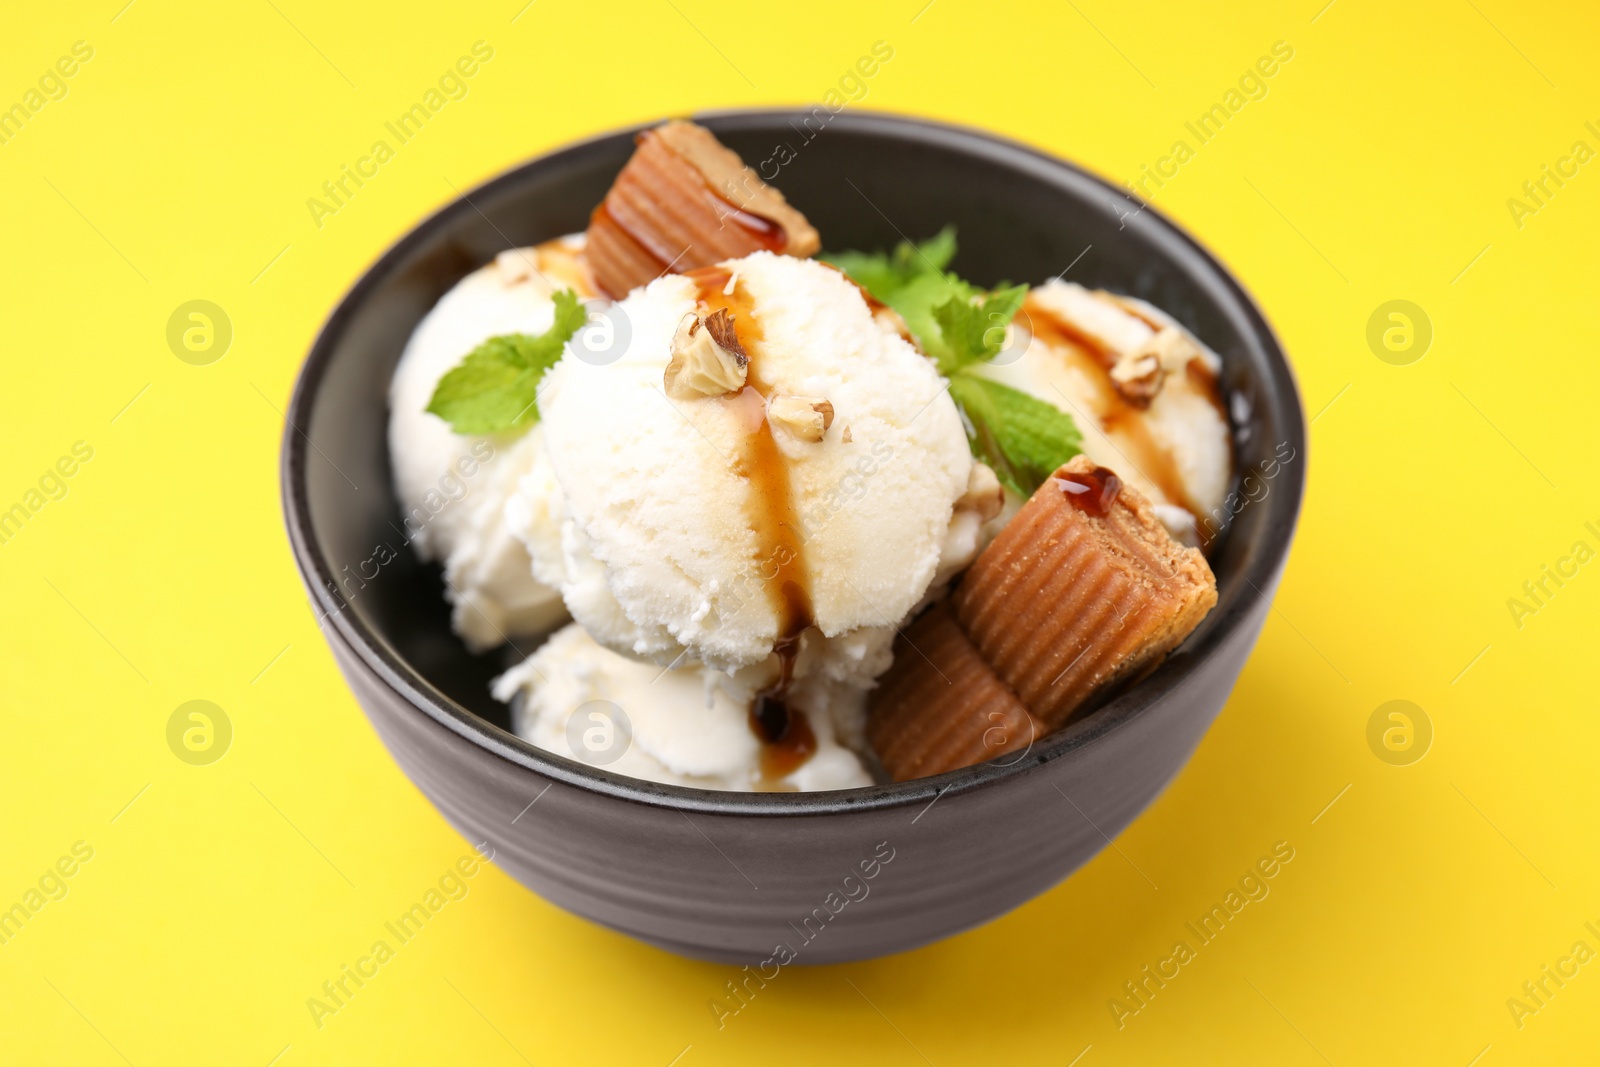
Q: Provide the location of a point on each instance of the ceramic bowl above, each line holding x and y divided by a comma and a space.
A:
775, 878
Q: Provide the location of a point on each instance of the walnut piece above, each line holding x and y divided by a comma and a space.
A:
984, 493
1173, 348
806, 417
1138, 375
707, 359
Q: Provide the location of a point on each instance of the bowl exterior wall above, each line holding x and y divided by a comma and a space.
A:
734, 887
731, 877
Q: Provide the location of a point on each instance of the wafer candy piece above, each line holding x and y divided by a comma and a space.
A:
1082, 590
940, 706
686, 201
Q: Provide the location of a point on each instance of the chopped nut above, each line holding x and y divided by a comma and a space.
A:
707, 359
1173, 347
984, 493
1138, 375
806, 417
845, 437
720, 325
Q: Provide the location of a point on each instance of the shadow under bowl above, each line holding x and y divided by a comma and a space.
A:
831, 876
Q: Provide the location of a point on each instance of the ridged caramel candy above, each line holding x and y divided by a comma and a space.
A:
685, 201
1084, 589
940, 707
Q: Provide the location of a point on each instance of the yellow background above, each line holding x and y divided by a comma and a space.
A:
1377, 167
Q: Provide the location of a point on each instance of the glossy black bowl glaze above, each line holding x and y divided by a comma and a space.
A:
729, 876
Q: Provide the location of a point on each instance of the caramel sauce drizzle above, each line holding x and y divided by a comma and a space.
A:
559, 262
1199, 373
786, 736
769, 234
1116, 415
1092, 492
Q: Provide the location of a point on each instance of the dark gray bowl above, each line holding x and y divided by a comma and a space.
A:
729, 876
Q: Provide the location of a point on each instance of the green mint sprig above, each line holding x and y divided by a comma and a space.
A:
961, 327
495, 388
1022, 437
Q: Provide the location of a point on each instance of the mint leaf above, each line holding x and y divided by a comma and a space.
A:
974, 332
1022, 437
495, 388
943, 312
881, 274
912, 281
916, 302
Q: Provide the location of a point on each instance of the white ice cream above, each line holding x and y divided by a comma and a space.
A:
659, 556
453, 489
1178, 451
639, 514
688, 726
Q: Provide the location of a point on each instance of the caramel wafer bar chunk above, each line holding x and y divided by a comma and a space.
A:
686, 201
1082, 590
940, 706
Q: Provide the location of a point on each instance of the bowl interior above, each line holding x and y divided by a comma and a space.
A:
866, 181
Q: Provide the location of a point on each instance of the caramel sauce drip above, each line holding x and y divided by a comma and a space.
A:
1065, 330
1093, 491
565, 266
786, 736
1201, 376
1204, 380
767, 233
1117, 417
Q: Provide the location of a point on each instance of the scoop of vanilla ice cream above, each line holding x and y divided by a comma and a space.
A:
659, 555
454, 489
688, 726
1177, 451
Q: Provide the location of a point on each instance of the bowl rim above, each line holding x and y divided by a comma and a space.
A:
1259, 570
